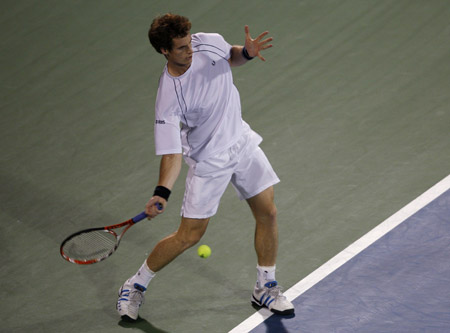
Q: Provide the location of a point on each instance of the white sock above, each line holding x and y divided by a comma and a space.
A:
264, 275
143, 275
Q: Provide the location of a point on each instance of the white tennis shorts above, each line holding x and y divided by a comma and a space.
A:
244, 165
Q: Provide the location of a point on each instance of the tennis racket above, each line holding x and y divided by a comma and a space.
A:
96, 244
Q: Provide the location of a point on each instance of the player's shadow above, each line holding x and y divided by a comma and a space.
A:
142, 325
275, 322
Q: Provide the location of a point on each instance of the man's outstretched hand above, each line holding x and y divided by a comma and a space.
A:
255, 46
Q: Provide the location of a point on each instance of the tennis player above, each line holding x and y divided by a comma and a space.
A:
198, 118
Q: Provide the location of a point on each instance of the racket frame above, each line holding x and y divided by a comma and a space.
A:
129, 223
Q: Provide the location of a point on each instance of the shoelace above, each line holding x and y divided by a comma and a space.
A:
275, 292
133, 296
137, 296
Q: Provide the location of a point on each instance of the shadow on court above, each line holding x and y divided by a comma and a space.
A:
142, 325
277, 321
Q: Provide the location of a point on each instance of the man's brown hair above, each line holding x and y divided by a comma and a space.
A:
166, 27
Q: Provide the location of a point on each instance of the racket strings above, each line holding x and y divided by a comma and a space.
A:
90, 245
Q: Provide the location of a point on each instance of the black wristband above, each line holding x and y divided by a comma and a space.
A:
162, 192
245, 54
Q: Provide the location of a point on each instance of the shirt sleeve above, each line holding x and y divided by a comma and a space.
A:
167, 126
214, 42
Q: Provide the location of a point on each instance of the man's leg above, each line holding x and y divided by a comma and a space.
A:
131, 294
267, 292
266, 232
188, 234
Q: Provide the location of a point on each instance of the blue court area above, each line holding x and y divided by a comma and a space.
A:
401, 283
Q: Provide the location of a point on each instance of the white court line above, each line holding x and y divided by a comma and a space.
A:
351, 251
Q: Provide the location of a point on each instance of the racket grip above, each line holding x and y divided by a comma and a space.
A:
142, 215
139, 217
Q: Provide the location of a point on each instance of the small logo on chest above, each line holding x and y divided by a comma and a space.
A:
213, 63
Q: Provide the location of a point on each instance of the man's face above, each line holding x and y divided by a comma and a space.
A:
181, 53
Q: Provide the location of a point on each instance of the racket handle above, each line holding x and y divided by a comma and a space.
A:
139, 217
142, 215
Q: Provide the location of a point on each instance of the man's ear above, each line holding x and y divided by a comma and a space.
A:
164, 51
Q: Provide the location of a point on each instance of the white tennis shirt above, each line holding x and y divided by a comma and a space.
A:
203, 100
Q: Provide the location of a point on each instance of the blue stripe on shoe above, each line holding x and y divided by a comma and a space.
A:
267, 299
261, 299
124, 291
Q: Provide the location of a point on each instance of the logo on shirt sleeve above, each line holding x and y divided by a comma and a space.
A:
160, 122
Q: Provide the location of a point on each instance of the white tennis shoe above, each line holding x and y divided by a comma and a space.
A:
271, 297
131, 297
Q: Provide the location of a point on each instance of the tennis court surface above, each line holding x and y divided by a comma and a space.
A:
353, 106
394, 279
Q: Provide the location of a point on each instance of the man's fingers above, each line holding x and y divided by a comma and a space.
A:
266, 46
247, 31
261, 36
257, 44
268, 40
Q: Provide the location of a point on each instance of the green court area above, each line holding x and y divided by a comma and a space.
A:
353, 104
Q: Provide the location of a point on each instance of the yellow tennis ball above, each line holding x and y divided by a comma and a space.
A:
204, 251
